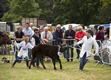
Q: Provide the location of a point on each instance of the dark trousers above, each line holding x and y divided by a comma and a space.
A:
83, 61
77, 50
29, 53
71, 53
18, 59
37, 61
15, 50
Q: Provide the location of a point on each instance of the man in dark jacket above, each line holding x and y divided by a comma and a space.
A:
35, 41
58, 36
70, 34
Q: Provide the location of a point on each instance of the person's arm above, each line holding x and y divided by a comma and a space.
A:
81, 41
97, 47
30, 46
33, 41
76, 36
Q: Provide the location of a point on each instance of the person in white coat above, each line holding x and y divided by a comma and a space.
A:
25, 45
87, 41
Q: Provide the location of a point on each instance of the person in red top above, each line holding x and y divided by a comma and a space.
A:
79, 35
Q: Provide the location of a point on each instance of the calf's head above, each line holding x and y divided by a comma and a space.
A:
6, 39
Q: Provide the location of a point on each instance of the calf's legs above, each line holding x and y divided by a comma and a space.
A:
32, 60
41, 60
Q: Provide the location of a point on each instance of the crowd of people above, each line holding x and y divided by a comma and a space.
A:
43, 35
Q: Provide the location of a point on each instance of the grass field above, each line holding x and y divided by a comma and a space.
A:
70, 71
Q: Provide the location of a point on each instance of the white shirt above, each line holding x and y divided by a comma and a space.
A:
24, 49
87, 46
49, 35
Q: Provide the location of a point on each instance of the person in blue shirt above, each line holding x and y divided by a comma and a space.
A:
70, 34
28, 33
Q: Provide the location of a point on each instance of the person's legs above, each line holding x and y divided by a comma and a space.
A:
15, 62
67, 54
37, 61
21, 56
29, 53
78, 51
81, 64
26, 61
15, 50
72, 54
82, 60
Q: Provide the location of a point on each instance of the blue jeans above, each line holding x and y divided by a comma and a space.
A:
37, 61
77, 50
71, 53
29, 53
15, 50
83, 61
18, 59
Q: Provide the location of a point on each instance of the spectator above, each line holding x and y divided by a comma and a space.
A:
30, 27
83, 28
35, 41
18, 36
58, 36
79, 35
91, 32
28, 32
100, 35
70, 34
45, 37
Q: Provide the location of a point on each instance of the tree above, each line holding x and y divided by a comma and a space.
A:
45, 13
3, 7
19, 9
76, 11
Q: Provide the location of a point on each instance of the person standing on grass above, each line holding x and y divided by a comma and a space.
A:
70, 34
87, 41
18, 36
24, 50
35, 41
79, 35
28, 33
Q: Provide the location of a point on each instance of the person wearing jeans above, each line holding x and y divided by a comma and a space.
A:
23, 51
28, 33
70, 34
87, 41
83, 61
35, 41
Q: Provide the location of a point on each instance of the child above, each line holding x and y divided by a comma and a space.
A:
24, 50
87, 41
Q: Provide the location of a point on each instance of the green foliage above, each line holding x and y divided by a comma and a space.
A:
76, 11
104, 14
27, 8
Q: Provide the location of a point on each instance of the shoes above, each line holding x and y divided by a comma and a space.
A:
12, 66
27, 66
38, 66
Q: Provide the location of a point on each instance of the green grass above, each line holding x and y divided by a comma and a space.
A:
70, 71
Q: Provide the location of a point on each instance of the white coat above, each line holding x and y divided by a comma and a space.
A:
87, 46
24, 48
